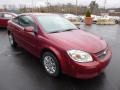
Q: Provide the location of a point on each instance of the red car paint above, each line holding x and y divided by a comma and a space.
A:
59, 43
4, 20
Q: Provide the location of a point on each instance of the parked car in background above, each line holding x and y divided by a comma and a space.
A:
4, 17
60, 45
116, 18
119, 21
81, 17
106, 20
95, 18
73, 18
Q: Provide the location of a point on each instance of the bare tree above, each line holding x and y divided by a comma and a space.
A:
94, 7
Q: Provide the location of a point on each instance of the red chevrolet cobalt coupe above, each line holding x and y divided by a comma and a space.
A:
60, 45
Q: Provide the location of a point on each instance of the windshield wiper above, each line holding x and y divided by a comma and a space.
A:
63, 30
69, 30
55, 32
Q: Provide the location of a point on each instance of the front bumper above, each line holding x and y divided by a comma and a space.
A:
89, 70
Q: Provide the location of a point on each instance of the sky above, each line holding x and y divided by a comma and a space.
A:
109, 3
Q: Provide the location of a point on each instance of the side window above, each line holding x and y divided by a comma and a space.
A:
1, 15
27, 21
16, 20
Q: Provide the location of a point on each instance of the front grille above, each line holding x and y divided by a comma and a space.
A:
101, 55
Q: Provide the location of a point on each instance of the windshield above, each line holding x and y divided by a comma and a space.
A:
55, 23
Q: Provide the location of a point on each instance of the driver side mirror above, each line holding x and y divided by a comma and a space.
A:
29, 29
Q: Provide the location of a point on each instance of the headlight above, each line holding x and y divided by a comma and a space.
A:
79, 56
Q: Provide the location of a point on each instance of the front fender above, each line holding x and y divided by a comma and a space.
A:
60, 55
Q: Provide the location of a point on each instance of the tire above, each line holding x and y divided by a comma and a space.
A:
116, 21
51, 64
12, 40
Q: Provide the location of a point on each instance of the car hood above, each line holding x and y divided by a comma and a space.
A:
78, 39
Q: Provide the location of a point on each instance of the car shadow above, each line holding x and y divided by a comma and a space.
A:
3, 28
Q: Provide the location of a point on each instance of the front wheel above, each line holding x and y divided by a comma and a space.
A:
51, 64
11, 40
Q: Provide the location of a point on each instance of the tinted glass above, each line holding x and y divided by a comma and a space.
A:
16, 20
1, 15
27, 21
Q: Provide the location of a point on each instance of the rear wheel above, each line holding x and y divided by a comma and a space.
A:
11, 40
51, 64
116, 21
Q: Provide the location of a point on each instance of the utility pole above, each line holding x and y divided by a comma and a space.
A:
76, 7
32, 5
104, 4
94, 7
47, 6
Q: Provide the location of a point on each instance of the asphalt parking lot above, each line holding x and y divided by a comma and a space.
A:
19, 70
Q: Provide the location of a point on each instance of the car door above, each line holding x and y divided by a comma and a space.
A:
29, 39
17, 31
